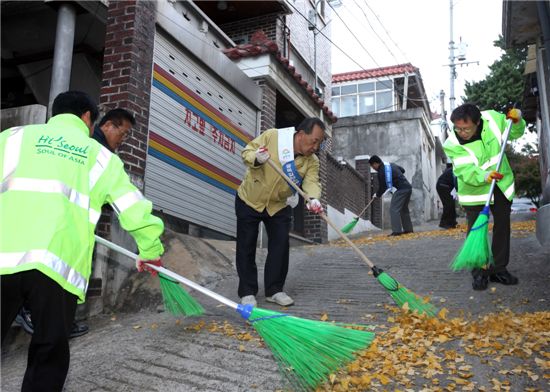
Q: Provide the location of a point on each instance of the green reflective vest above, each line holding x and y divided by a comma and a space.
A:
55, 179
474, 160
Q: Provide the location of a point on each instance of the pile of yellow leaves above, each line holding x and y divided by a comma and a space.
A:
436, 354
416, 353
519, 229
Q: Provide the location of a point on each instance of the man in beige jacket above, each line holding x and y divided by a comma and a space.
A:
264, 196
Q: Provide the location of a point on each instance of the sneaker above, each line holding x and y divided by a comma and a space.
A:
23, 318
480, 282
78, 330
280, 298
248, 300
504, 278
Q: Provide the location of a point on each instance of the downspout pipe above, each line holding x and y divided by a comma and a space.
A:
543, 8
63, 52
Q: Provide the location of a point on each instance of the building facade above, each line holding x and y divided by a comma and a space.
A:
384, 112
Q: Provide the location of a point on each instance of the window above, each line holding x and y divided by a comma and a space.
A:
366, 104
348, 106
384, 101
364, 97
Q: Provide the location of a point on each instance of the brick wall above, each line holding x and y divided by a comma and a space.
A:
346, 187
269, 105
363, 168
126, 79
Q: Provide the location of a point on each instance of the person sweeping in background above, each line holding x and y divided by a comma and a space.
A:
392, 176
55, 178
474, 148
264, 196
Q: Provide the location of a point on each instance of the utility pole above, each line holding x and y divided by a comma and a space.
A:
444, 125
461, 57
452, 65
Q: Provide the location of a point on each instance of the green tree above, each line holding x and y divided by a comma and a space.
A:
525, 165
504, 84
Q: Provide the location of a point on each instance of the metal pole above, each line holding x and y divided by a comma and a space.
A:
63, 52
443, 116
452, 59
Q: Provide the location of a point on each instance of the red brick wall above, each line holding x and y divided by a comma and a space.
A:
126, 79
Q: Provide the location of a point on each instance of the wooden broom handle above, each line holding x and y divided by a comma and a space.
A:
367, 206
322, 214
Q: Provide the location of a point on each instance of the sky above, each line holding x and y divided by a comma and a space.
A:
417, 32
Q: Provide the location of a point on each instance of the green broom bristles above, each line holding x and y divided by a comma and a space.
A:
476, 252
177, 300
349, 227
306, 351
401, 295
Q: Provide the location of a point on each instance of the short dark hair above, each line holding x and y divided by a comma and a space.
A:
466, 112
308, 123
117, 116
75, 102
375, 159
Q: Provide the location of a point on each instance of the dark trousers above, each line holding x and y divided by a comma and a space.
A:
399, 211
501, 231
448, 218
53, 310
276, 263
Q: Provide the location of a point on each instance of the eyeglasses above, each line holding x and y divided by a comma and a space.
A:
124, 132
464, 129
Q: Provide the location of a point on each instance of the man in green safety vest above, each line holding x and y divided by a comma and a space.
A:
474, 148
55, 178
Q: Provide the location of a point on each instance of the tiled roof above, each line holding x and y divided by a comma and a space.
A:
260, 44
374, 73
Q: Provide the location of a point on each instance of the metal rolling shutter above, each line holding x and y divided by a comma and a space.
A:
197, 130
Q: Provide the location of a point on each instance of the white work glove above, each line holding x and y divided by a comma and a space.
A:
314, 206
262, 155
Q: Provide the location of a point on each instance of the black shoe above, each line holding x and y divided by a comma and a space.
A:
480, 282
394, 234
23, 318
78, 330
408, 232
505, 278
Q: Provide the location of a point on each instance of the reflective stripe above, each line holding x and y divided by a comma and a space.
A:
491, 162
12, 152
463, 161
493, 126
100, 166
510, 191
50, 260
472, 155
46, 186
473, 198
128, 200
94, 215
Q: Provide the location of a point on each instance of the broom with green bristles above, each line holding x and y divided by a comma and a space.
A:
349, 227
476, 251
403, 297
306, 351
176, 300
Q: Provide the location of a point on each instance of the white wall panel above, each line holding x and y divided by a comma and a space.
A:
189, 174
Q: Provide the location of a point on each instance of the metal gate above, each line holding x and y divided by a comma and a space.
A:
197, 130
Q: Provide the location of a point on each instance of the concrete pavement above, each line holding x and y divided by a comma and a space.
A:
152, 351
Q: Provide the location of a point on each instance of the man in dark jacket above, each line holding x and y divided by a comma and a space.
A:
391, 176
445, 185
114, 128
